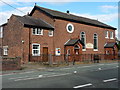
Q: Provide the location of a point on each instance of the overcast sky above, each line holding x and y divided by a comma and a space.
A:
107, 12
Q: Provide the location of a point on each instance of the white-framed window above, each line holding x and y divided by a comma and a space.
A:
5, 50
37, 31
1, 32
106, 34
95, 36
70, 28
111, 35
35, 49
68, 52
58, 52
83, 39
50, 33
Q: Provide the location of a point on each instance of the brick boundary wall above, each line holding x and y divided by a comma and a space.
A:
11, 63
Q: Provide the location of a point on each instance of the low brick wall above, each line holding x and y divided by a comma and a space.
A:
11, 63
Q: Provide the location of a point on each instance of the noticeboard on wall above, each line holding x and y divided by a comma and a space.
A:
58, 51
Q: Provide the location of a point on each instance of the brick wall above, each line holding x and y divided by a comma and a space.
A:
61, 35
12, 37
11, 63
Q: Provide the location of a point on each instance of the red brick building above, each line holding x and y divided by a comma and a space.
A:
45, 31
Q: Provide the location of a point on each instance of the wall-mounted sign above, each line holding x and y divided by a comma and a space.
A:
57, 52
89, 45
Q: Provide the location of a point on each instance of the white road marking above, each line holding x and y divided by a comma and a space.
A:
41, 77
59, 75
26, 79
18, 77
85, 85
110, 80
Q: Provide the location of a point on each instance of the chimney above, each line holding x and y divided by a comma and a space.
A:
68, 11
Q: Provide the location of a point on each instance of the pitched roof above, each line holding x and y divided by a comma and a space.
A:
71, 17
29, 21
109, 45
72, 42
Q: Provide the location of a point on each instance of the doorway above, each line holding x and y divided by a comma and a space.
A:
45, 54
76, 49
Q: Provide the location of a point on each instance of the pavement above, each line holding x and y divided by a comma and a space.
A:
98, 75
35, 66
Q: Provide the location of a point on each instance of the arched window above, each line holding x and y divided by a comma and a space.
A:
83, 39
95, 41
76, 47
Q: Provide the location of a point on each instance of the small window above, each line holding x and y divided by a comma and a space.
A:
106, 34
36, 49
83, 39
95, 42
37, 31
1, 32
5, 50
111, 35
50, 33
70, 28
68, 52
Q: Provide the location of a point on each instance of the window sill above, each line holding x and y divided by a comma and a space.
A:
83, 49
35, 55
50, 35
38, 34
107, 37
111, 38
95, 50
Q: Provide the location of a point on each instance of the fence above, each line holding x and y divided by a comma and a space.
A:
11, 63
61, 59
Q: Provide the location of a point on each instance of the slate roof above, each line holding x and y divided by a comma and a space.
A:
71, 17
72, 42
110, 45
29, 21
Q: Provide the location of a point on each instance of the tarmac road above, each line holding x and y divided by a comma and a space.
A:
99, 75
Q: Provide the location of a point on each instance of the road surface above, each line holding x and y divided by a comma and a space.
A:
99, 75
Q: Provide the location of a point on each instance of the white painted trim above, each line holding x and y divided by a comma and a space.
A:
1, 32
85, 40
5, 49
49, 33
111, 33
107, 34
97, 42
72, 28
36, 49
36, 31
83, 49
67, 41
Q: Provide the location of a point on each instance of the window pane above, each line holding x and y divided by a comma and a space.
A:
35, 46
83, 39
39, 31
95, 41
33, 31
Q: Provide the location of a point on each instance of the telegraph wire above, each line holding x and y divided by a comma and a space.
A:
12, 6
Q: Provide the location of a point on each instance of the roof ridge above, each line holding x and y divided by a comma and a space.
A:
39, 19
66, 13
72, 17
